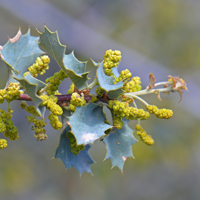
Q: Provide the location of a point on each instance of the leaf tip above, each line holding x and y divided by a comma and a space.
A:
67, 123
16, 37
124, 158
1, 48
38, 31
45, 28
2, 57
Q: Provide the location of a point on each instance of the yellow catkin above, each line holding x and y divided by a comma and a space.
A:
39, 67
160, 113
111, 59
147, 139
3, 143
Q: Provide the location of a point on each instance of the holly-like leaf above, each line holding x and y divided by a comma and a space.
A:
32, 86
107, 83
20, 52
87, 123
65, 117
74, 68
115, 71
66, 114
119, 145
81, 162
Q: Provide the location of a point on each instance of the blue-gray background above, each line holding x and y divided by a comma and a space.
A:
159, 36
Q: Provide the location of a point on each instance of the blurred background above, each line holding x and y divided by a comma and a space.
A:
159, 36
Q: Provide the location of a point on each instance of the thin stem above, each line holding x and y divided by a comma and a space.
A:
134, 103
93, 84
149, 91
162, 83
136, 97
8, 106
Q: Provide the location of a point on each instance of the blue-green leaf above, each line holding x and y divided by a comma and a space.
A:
66, 114
32, 86
65, 117
107, 83
74, 68
87, 123
20, 52
115, 71
119, 145
81, 162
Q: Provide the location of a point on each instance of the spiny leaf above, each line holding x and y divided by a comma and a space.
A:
87, 123
81, 162
20, 52
74, 68
76, 71
107, 83
65, 117
32, 86
115, 71
66, 114
119, 145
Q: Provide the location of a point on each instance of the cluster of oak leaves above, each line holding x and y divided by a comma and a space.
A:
122, 108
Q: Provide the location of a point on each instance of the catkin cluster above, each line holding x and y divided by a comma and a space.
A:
160, 113
2, 94
39, 67
125, 75
94, 98
51, 103
123, 110
75, 149
3, 143
71, 89
54, 121
30, 109
54, 81
111, 59
7, 125
10, 93
76, 100
56, 110
147, 139
133, 85
99, 91
38, 124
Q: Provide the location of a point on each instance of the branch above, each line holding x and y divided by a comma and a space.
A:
65, 98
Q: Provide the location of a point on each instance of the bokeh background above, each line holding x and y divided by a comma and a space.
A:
159, 36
